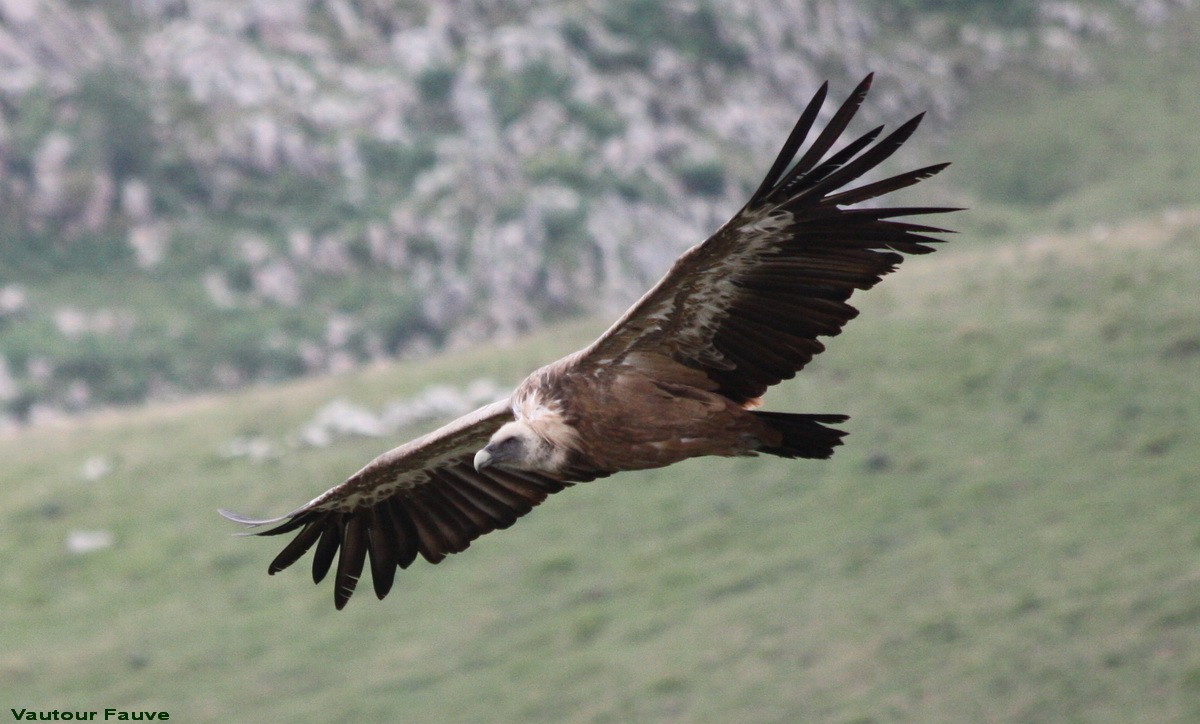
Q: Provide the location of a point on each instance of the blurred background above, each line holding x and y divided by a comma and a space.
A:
246, 246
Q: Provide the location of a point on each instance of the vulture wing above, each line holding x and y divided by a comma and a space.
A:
423, 497
746, 306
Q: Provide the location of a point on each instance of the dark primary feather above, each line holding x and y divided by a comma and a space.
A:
849, 151
795, 139
298, 547
350, 562
824, 142
327, 547
886, 186
817, 185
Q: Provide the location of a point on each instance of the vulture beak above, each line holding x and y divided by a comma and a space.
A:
483, 458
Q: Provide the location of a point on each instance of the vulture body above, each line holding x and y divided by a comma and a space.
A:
679, 375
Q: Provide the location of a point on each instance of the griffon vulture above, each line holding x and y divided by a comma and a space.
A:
678, 376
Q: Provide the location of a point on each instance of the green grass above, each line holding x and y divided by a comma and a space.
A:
1036, 152
1009, 535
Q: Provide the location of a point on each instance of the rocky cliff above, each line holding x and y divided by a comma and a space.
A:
205, 192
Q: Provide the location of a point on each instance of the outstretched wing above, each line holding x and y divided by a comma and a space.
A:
424, 497
746, 306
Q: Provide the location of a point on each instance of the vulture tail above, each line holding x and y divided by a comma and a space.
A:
803, 435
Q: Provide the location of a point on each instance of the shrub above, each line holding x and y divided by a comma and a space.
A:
693, 32
512, 95
1011, 12
435, 84
706, 178
116, 118
394, 162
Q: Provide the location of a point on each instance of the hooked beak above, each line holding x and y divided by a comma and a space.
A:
483, 458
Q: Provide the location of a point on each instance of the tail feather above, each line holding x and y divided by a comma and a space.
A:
803, 435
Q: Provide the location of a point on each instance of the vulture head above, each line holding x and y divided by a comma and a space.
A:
517, 446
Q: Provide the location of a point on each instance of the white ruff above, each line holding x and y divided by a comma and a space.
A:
544, 416
533, 408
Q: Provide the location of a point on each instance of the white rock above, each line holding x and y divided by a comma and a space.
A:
14, 300
149, 244
255, 448
218, 289
87, 541
340, 329
96, 467
342, 418
277, 281
71, 323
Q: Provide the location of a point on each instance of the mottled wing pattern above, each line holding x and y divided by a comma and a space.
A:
423, 498
747, 305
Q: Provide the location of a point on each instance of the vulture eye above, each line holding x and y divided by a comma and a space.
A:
508, 446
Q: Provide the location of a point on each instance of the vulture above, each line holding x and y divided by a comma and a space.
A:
680, 375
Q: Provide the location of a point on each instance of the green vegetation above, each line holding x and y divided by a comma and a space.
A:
693, 30
435, 84
512, 95
706, 178
1012, 12
1057, 154
394, 163
116, 113
1009, 534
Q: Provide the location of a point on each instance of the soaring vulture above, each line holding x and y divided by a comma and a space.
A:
678, 376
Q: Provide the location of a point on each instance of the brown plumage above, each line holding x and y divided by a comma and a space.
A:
677, 376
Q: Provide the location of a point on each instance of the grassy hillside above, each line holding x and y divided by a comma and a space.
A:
1036, 152
1009, 535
